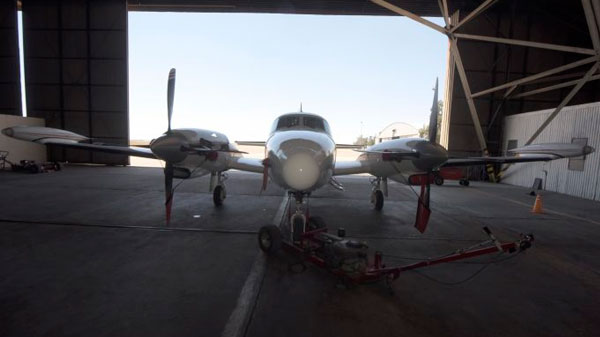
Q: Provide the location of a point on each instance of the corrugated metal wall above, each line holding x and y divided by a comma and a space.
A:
578, 121
76, 72
10, 81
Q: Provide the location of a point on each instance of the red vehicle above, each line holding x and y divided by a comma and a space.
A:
450, 173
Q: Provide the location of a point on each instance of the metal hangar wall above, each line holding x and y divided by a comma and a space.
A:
76, 71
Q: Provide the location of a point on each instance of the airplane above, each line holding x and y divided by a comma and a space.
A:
300, 157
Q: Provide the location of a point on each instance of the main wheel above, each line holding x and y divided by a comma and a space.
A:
219, 195
269, 239
438, 180
377, 200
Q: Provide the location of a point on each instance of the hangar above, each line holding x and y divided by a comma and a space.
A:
519, 71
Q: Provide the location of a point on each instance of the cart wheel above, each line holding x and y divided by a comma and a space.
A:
34, 168
298, 222
316, 222
219, 195
269, 239
377, 199
438, 180
464, 182
57, 166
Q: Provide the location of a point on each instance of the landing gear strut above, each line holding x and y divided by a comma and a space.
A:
217, 186
378, 192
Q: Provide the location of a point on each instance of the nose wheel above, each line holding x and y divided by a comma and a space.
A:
378, 192
219, 191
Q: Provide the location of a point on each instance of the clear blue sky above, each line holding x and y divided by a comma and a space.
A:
237, 72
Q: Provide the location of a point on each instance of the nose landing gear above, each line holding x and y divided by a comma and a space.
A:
217, 186
380, 189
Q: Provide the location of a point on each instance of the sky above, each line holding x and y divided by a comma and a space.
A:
237, 72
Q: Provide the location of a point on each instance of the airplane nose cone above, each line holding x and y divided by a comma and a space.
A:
168, 148
588, 149
8, 132
431, 156
301, 171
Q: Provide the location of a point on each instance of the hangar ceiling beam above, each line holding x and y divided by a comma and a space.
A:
553, 87
485, 5
593, 28
564, 102
538, 75
444, 9
410, 15
541, 45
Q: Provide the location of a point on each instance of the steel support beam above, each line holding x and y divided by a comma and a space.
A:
564, 102
469, 97
409, 15
538, 75
593, 28
553, 87
540, 45
485, 5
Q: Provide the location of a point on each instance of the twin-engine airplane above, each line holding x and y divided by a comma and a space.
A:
300, 158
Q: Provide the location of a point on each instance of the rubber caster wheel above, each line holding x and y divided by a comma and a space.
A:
438, 180
463, 182
219, 195
316, 222
269, 239
377, 200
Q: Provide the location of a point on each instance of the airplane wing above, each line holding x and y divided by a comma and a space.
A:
247, 164
50, 136
350, 167
529, 153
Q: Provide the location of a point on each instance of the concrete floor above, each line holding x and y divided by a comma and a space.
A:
84, 252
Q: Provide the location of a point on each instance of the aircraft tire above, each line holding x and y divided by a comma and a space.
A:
269, 239
218, 195
378, 200
298, 222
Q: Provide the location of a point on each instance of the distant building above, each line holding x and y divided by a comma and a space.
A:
395, 131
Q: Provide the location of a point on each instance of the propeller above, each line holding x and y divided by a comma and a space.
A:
265, 180
423, 210
170, 97
168, 147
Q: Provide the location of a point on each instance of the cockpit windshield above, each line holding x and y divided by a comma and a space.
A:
299, 122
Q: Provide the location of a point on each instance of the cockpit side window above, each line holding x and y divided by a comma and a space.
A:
288, 122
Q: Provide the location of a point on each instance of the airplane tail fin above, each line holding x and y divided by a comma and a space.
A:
433, 118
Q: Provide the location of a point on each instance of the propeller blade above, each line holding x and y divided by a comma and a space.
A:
170, 96
168, 190
433, 118
423, 210
265, 173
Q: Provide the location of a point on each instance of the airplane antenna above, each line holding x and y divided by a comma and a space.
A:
301, 107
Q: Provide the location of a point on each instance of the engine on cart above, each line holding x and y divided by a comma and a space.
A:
340, 253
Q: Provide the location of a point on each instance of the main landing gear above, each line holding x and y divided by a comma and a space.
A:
217, 186
380, 189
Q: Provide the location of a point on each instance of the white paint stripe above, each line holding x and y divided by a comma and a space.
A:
240, 316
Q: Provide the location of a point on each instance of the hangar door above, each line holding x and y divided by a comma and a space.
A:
76, 71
